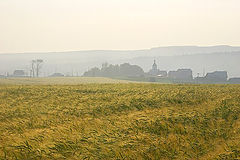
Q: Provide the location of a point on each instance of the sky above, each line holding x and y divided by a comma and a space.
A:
67, 25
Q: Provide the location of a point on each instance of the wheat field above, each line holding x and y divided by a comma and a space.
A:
119, 121
59, 81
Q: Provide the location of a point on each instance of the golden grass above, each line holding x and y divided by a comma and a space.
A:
59, 81
119, 121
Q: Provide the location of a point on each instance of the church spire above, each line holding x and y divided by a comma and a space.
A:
154, 66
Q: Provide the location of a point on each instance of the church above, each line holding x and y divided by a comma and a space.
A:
156, 72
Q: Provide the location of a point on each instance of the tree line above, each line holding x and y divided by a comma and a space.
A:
110, 70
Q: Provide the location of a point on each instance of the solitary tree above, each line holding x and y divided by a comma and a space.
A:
36, 65
33, 68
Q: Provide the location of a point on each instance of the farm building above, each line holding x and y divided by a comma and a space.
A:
181, 74
217, 76
18, 73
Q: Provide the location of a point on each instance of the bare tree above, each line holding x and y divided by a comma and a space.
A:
36, 65
33, 68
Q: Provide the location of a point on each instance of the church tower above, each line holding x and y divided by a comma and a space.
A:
156, 72
154, 66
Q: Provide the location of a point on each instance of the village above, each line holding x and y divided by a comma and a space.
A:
135, 73
186, 76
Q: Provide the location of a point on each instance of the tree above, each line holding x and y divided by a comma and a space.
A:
36, 65
94, 72
130, 70
33, 68
123, 70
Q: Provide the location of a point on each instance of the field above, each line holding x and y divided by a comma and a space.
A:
58, 81
119, 121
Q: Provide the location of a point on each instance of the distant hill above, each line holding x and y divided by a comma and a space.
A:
168, 58
186, 50
158, 51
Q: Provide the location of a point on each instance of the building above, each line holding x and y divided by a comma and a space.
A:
156, 72
217, 76
57, 75
162, 74
181, 74
172, 74
18, 73
234, 81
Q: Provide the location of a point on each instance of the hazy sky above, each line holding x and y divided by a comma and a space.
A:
63, 25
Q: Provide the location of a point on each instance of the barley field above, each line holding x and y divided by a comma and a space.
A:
119, 121
58, 81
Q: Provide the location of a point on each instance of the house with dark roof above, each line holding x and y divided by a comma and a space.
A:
18, 73
217, 76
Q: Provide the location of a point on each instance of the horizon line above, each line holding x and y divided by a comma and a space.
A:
120, 50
